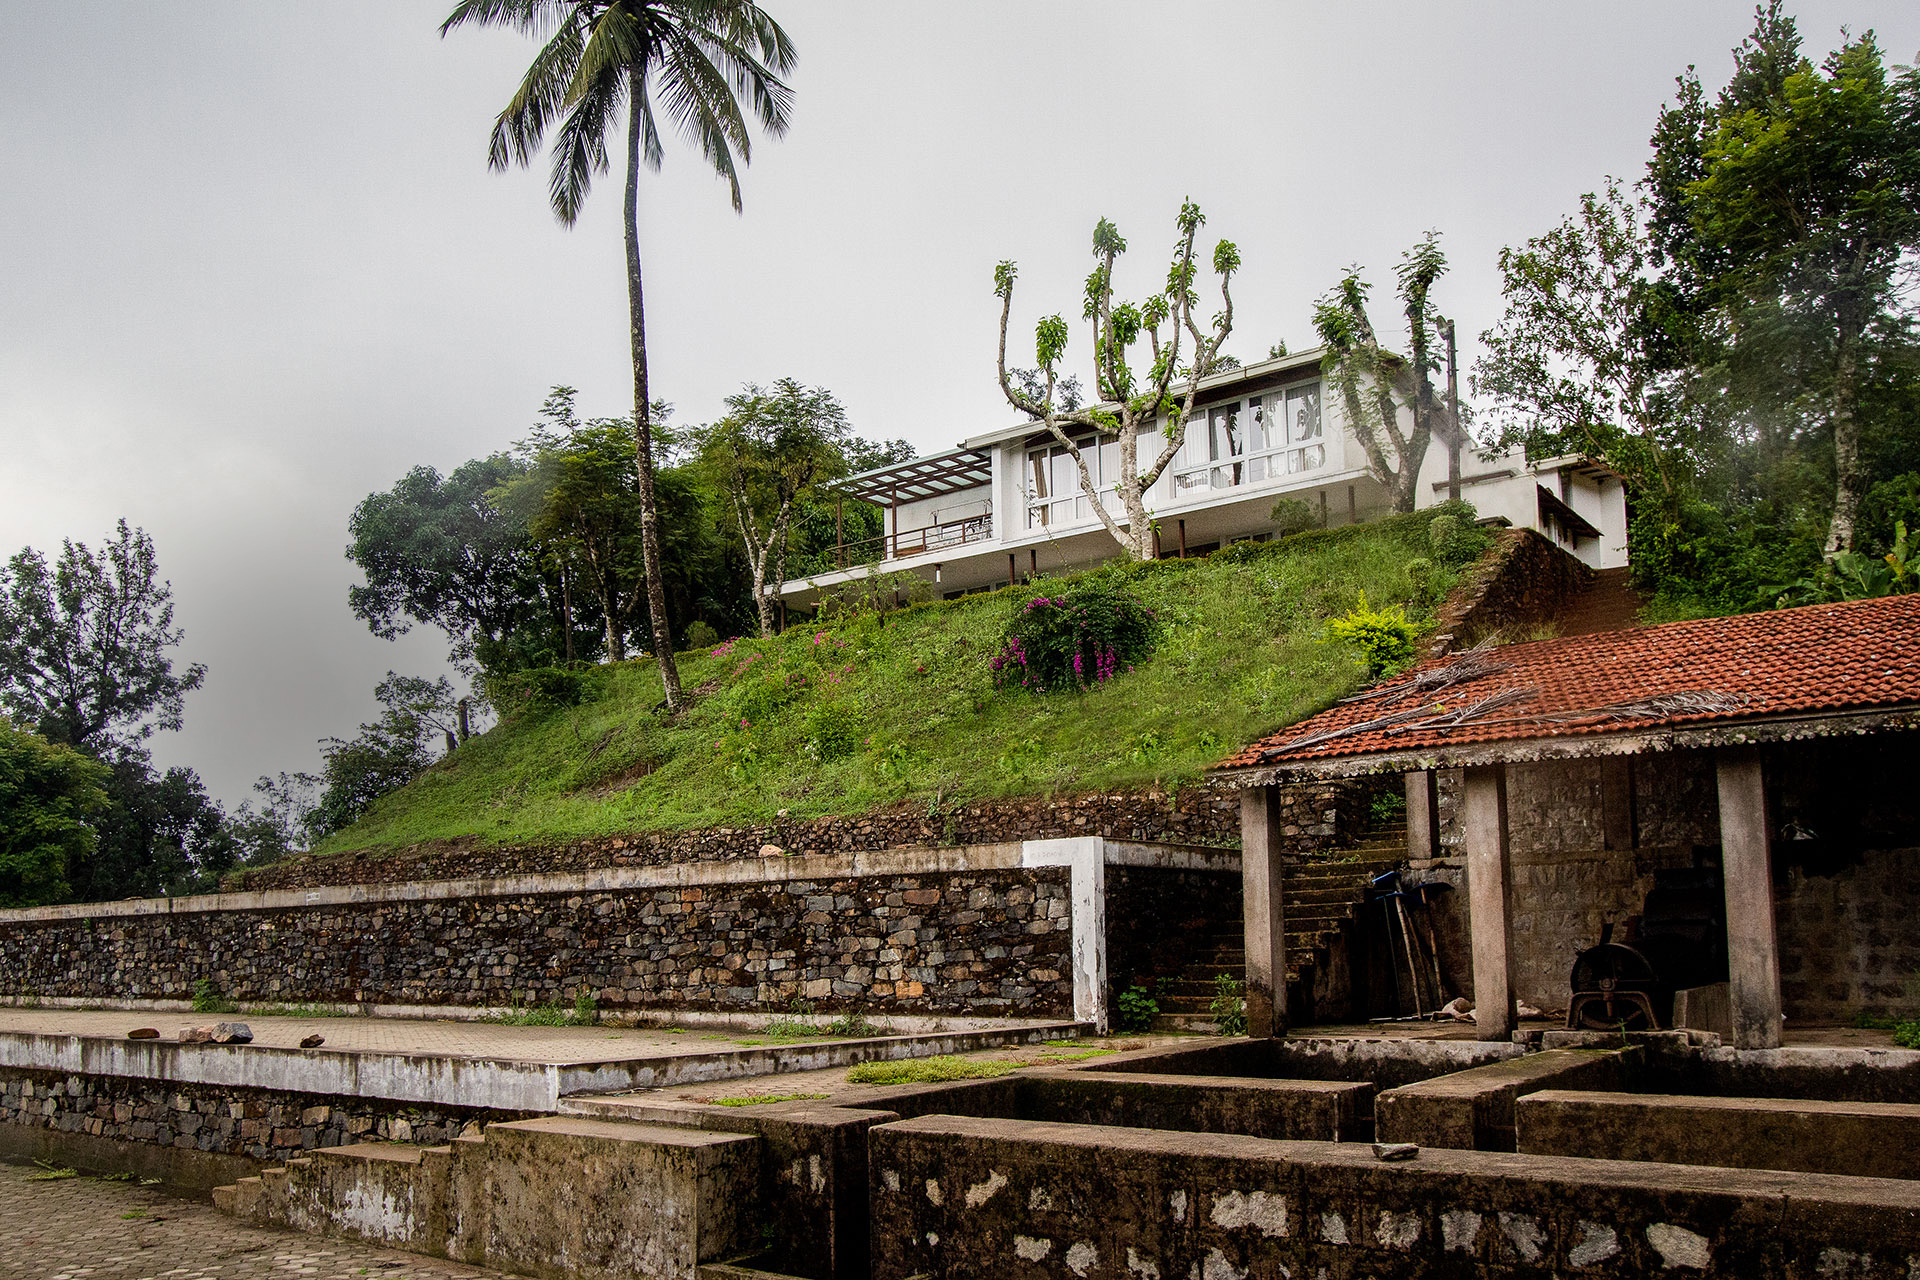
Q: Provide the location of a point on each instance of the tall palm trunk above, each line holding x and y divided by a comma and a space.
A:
642, 409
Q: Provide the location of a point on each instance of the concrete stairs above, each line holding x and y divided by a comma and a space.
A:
1323, 897
616, 1200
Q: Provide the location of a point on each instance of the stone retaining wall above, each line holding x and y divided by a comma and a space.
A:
1315, 817
1522, 581
992, 942
1194, 816
183, 1131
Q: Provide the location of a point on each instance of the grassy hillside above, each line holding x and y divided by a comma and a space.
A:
874, 710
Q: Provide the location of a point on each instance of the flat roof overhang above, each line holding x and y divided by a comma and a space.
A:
1623, 741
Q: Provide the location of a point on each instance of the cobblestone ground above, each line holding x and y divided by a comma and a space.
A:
81, 1229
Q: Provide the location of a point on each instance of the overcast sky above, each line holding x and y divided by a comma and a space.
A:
254, 266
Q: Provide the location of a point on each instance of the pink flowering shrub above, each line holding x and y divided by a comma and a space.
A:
1092, 631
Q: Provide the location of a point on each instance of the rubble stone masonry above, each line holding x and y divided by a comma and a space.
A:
978, 943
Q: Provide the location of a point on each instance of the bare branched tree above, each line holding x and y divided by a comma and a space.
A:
1374, 384
1130, 407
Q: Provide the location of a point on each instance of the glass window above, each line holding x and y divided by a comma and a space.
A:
1260, 426
1037, 485
1303, 413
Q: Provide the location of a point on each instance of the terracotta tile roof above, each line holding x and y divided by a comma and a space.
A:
1855, 655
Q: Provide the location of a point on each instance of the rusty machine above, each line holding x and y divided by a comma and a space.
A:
1679, 940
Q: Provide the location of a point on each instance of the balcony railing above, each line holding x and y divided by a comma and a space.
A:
904, 543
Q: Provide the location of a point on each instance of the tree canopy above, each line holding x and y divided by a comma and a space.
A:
767, 454
86, 644
50, 798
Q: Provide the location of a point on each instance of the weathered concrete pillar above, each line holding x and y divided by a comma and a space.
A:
1423, 815
1261, 872
1617, 818
1483, 822
1746, 863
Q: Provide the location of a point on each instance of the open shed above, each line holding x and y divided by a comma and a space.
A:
1759, 743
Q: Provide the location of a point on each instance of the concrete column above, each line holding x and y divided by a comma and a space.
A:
1617, 802
1085, 858
1746, 862
1483, 821
1423, 815
1261, 871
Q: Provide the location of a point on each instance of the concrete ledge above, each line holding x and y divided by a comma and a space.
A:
1384, 1062
1473, 1110
817, 866
1326, 1110
961, 1196
495, 1084
1867, 1139
1007, 856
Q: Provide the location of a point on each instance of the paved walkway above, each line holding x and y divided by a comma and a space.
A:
398, 1035
80, 1229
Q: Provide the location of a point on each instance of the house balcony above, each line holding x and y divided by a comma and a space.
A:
903, 544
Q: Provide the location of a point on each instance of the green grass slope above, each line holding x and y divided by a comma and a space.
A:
871, 711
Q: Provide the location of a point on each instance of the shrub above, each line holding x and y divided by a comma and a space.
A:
834, 729
1291, 516
1093, 631
1425, 580
759, 697
854, 1026
876, 593
1136, 1010
1384, 637
1454, 536
1907, 1035
207, 998
700, 636
536, 690
1229, 1007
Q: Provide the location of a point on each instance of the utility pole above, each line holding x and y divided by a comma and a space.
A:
1453, 416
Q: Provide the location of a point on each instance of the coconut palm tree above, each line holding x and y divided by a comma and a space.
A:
696, 61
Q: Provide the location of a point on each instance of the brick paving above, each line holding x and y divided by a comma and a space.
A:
83, 1229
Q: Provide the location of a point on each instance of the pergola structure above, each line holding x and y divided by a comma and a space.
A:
915, 480
1726, 686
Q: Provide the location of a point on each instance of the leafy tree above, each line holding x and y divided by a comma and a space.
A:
1131, 406
578, 498
385, 755
769, 451
279, 824
700, 57
162, 833
438, 550
1373, 384
84, 646
50, 797
1587, 358
1790, 205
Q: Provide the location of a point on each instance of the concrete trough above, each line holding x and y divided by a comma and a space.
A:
1474, 1109
1868, 1139
1383, 1061
956, 1196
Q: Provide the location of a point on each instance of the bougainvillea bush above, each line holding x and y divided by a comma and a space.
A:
1081, 636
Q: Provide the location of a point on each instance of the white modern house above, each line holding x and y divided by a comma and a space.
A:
1008, 504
